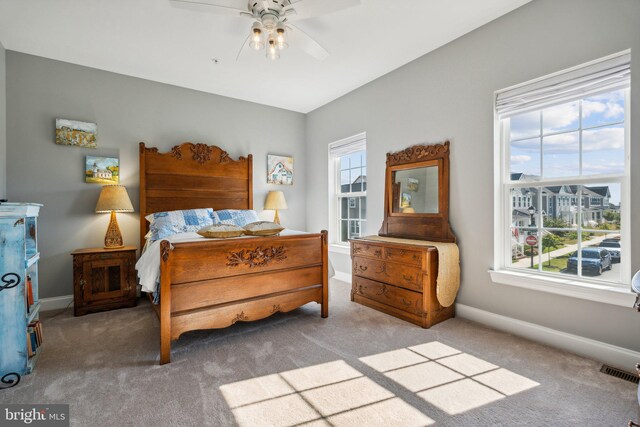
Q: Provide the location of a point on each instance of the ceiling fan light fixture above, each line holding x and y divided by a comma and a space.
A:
281, 37
256, 36
273, 53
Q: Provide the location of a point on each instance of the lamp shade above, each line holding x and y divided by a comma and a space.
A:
275, 200
114, 198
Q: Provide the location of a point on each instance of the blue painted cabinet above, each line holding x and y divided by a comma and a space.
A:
19, 307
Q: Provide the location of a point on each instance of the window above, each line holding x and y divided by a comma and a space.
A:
348, 188
565, 138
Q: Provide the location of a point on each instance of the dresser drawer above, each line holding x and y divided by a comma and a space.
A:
403, 256
367, 250
387, 294
388, 272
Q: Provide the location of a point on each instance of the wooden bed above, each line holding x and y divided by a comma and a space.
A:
216, 283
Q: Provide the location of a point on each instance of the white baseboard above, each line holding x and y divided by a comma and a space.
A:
610, 354
56, 303
343, 277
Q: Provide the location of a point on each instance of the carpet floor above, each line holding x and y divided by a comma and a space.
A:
359, 367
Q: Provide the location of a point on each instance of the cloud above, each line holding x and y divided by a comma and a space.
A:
520, 159
603, 139
609, 110
561, 117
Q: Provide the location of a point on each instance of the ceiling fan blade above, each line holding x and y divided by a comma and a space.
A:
311, 8
204, 6
308, 44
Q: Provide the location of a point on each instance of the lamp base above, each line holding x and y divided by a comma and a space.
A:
113, 237
276, 217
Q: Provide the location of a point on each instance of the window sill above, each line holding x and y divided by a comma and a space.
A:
608, 294
337, 248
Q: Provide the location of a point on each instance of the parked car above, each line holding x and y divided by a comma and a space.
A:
594, 261
613, 246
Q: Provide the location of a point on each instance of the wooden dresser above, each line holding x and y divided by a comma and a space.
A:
398, 279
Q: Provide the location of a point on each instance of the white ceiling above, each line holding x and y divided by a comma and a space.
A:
154, 40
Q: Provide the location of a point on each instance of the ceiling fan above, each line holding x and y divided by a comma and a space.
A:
272, 21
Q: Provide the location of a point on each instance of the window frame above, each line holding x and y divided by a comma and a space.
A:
352, 144
617, 293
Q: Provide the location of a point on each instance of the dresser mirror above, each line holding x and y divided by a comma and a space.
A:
415, 189
417, 194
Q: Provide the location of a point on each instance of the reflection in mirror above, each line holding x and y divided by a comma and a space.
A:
416, 190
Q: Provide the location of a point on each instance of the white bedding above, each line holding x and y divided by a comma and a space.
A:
148, 266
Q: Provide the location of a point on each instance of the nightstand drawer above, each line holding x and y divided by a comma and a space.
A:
389, 272
387, 294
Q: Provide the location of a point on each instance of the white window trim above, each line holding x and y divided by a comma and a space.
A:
580, 287
334, 218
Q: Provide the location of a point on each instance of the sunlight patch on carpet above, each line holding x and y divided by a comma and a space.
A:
447, 378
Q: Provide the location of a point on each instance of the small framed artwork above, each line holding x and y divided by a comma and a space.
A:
279, 169
413, 184
79, 134
405, 200
101, 170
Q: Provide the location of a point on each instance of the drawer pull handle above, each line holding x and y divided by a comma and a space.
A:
406, 303
378, 253
383, 291
383, 270
407, 278
362, 268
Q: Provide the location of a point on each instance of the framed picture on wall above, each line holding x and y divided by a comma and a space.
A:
413, 184
101, 170
279, 169
79, 134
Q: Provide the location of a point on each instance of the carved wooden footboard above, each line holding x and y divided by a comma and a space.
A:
214, 284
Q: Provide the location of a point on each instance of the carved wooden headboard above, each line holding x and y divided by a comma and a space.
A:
192, 176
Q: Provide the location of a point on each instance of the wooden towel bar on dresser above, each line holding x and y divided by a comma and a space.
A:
397, 271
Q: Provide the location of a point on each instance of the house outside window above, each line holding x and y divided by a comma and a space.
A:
348, 189
565, 138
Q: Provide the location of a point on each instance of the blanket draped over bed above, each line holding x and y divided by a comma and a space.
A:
214, 283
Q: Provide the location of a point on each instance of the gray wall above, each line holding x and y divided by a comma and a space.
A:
127, 111
449, 94
3, 124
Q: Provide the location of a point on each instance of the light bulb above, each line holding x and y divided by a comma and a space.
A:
281, 37
272, 50
256, 37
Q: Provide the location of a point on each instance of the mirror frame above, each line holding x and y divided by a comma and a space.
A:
422, 226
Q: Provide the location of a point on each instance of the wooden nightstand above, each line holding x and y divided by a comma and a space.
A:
104, 279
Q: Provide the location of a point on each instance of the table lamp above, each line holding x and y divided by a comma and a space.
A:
113, 198
275, 201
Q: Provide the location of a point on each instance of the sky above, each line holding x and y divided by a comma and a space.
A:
554, 134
